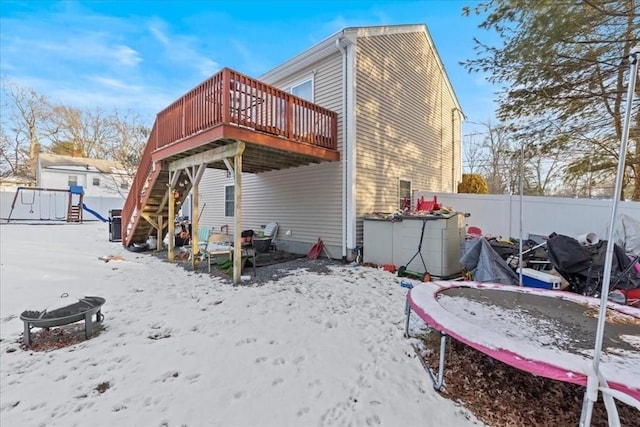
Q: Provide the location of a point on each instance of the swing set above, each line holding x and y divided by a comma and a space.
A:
50, 204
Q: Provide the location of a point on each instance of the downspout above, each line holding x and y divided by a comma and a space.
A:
345, 155
454, 188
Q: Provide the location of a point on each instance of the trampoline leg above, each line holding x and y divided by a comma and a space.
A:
407, 311
439, 381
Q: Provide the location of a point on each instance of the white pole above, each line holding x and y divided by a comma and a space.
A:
521, 210
589, 400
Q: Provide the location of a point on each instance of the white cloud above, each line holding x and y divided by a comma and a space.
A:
183, 50
158, 29
116, 84
127, 56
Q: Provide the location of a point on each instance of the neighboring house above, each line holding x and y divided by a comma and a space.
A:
99, 178
399, 131
11, 182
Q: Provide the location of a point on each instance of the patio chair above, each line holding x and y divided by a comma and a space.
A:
271, 231
217, 244
203, 239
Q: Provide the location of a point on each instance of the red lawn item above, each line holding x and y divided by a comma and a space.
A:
633, 296
316, 249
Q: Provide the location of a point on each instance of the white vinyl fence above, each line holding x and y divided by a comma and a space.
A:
45, 205
499, 215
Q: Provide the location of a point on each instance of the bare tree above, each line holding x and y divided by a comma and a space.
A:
30, 124
131, 135
472, 153
24, 116
82, 133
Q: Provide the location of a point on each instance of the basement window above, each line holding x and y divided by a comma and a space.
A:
229, 198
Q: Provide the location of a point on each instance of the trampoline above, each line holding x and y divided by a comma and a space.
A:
547, 333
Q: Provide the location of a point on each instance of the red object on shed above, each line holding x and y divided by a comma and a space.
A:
428, 205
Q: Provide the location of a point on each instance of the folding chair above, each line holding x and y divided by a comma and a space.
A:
217, 244
203, 239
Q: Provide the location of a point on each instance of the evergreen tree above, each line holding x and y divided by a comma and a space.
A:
563, 67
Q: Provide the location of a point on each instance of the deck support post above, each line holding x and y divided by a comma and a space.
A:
172, 217
237, 238
195, 174
159, 236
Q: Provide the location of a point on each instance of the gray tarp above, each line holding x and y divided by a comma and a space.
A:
487, 266
628, 234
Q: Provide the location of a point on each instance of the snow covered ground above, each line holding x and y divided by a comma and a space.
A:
187, 349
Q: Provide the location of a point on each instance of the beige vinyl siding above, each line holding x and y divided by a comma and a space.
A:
404, 113
301, 199
306, 200
327, 82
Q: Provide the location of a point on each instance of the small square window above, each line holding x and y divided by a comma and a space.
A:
72, 180
96, 181
124, 185
303, 90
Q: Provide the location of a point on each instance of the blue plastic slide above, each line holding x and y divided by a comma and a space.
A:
94, 213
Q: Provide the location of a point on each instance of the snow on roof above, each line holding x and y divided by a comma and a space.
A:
56, 161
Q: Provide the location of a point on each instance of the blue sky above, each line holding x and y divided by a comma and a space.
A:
142, 55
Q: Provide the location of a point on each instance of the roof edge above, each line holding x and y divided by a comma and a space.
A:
346, 36
327, 46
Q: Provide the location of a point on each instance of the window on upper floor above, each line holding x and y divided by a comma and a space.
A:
303, 89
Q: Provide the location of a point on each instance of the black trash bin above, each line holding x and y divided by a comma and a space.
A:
115, 225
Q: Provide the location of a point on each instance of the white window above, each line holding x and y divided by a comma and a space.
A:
404, 194
301, 124
96, 181
303, 89
72, 180
229, 200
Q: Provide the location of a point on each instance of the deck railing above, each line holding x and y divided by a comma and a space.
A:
231, 98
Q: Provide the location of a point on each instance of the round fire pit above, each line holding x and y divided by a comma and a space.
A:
85, 308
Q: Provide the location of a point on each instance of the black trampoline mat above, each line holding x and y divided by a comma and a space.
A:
569, 324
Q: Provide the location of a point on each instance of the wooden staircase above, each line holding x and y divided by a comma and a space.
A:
154, 205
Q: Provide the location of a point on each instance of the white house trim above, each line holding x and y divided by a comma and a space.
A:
350, 146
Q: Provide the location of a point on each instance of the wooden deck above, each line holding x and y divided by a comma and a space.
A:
278, 130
